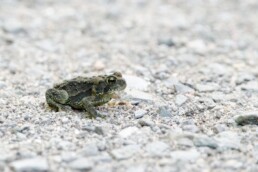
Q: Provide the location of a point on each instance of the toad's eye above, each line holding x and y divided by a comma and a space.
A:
111, 80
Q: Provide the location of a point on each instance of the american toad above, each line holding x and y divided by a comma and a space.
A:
84, 93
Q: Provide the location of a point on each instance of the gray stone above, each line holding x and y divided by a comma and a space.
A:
220, 128
32, 164
81, 164
251, 86
2, 85
209, 103
68, 156
218, 96
13, 26
208, 87
103, 157
219, 69
97, 129
228, 140
90, 150
185, 155
181, 99
204, 141
248, 118
164, 111
166, 41
139, 113
180, 88
183, 141
157, 148
191, 128
125, 152
244, 77
232, 164
146, 122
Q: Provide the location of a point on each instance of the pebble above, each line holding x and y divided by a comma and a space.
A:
251, 86
208, 102
68, 156
181, 99
65, 120
103, 157
218, 96
145, 122
232, 164
204, 141
135, 82
91, 128
13, 26
248, 118
179, 87
244, 77
166, 41
125, 152
126, 132
185, 155
2, 85
186, 142
90, 150
191, 128
164, 111
157, 148
33, 164
82, 163
220, 128
218, 69
206, 87
99, 65
139, 113
136, 94
198, 46
228, 140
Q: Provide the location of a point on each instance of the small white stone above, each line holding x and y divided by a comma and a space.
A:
207, 87
157, 148
228, 140
126, 132
181, 99
135, 82
139, 113
33, 164
140, 95
99, 65
187, 155
125, 152
81, 164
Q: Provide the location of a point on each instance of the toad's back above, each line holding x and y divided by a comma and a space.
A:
76, 86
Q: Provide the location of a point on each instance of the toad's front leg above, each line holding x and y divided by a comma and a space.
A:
89, 107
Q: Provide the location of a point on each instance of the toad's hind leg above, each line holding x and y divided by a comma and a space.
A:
56, 98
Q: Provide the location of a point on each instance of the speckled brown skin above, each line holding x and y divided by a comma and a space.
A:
84, 93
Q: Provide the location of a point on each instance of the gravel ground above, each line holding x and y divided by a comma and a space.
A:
191, 103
